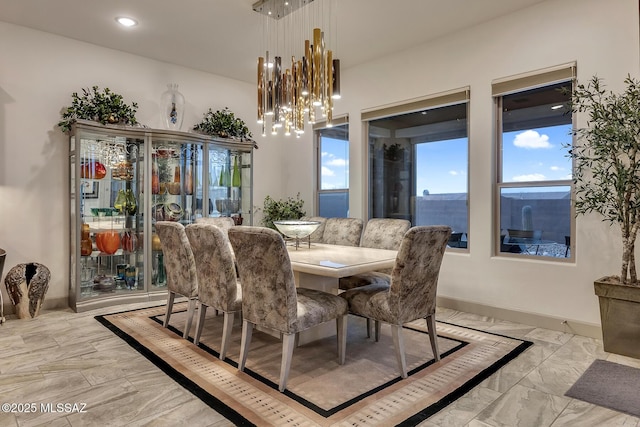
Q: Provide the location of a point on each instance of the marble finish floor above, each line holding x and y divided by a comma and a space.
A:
63, 357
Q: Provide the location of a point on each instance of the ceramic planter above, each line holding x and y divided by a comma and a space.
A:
620, 317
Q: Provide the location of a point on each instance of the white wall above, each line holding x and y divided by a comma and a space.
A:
602, 36
38, 73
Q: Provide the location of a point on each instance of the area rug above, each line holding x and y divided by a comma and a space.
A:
366, 391
610, 385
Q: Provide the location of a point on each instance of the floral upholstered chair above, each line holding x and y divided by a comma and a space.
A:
218, 286
223, 222
180, 267
271, 300
381, 233
342, 231
316, 236
412, 292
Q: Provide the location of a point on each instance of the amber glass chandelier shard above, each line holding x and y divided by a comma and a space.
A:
317, 65
336, 79
260, 89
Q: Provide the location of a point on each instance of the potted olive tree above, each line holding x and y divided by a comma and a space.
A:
607, 182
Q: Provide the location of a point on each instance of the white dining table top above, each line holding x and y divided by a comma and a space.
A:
339, 261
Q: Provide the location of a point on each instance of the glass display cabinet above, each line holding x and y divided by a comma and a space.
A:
123, 180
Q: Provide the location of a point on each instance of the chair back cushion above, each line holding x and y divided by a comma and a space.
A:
268, 286
384, 233
222, 222
414, 278
215, 266
342, 231
179, 262
316, 236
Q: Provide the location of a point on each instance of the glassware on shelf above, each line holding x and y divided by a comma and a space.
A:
236, 180
188, 180
131, 206
120, 202
108, 241
86, 246
129, 241
155, 176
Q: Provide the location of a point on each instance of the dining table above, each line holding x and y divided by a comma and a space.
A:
321, 265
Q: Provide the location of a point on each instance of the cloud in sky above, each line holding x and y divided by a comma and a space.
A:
531, 140
336, 162
529, 177
325, 171
456, 173
556, 168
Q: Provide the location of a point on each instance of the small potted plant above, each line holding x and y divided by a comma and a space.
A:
276, 210
607, 182
223, 124
102, 106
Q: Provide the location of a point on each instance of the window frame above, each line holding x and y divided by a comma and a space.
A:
512, 85
438, 100
317, 128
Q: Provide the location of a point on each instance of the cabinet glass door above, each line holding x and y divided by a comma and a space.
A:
229, 183
110, 249
176, 193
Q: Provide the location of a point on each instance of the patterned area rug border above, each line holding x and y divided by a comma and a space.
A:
329, 416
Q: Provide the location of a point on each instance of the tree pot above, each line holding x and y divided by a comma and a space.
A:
620, 316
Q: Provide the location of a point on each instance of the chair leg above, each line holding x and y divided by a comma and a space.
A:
398, 343
368, 328
433, 336
202, 311
227, 326
247, 330
172, 296
341, 323
377, 332
190, 310
288, 341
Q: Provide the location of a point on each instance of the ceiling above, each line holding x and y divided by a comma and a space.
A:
223, 36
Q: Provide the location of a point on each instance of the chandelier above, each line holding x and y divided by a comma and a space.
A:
288, 98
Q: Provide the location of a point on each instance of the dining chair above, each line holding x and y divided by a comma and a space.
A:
218, 286
380, 233
411, 293
342, 231
316, 236
223, 222
271, 300
180, 267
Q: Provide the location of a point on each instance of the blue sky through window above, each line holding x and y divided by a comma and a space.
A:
334, 163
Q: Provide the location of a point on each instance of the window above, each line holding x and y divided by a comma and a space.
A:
333, 169
535, 173
418, 163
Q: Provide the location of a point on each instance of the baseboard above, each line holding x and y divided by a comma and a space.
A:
534, 319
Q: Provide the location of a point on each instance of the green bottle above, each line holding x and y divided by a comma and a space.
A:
236, 180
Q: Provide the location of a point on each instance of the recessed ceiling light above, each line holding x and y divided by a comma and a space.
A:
557, 107
127, 22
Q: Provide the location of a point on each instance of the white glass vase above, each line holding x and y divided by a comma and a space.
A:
172, 105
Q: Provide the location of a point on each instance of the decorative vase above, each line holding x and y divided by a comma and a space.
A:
27, 285
86, 246
188, 180
121, 202
129, 241
110, 241
131, 206
236, 180
172, 104
155, 177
